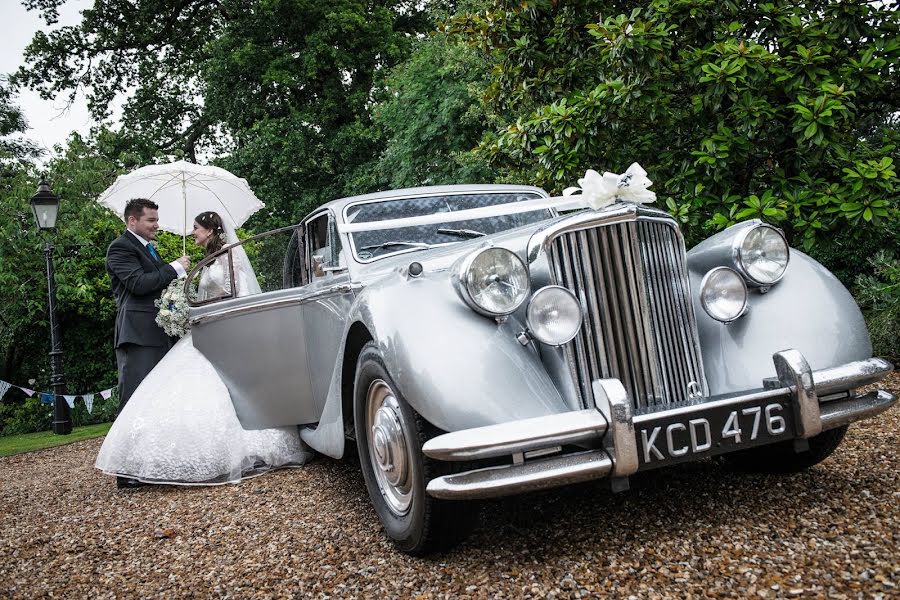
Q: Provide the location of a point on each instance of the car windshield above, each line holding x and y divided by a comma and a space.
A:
369, 245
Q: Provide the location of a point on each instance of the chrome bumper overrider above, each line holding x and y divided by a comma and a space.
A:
819, 400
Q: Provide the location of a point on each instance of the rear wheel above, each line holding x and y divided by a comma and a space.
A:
389, 439
782, 458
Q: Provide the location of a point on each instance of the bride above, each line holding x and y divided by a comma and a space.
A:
180, 427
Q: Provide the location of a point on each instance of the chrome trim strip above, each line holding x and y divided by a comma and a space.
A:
658, 311
592, 301
272, 304
794, 372
679, 305
524, 477
573, 267
683, 411
620, 442
844, 412
514, 437
637, 284
851, 375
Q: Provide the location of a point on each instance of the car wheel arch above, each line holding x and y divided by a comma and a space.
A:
357, 337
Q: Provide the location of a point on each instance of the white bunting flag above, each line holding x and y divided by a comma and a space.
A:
106, 394
4, 387
28, 392
89, 402
70, 400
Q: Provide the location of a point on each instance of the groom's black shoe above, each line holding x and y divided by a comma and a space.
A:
128, 483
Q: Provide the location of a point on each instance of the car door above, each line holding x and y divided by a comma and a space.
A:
260, 345
331, 296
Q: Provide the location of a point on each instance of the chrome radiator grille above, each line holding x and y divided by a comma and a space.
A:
639, 323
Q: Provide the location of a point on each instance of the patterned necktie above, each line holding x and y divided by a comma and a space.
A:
152, 252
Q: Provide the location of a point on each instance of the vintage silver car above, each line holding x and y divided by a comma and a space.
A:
474, 343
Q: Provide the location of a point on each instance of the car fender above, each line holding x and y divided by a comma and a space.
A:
456, 368
808, 310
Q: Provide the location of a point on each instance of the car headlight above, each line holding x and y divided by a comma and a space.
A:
761, 255
554, 315
723, 294
492, 281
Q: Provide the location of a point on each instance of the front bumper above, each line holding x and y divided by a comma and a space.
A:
820, 400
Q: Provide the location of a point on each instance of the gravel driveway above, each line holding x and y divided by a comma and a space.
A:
690, 531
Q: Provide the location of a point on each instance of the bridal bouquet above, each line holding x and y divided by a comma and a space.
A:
173, 310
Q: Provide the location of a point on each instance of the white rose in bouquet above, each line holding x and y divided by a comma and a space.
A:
173, 310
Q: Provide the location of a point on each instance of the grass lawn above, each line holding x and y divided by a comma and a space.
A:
15, 444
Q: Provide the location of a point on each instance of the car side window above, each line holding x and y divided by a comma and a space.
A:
295, 272
323, 245
337, 258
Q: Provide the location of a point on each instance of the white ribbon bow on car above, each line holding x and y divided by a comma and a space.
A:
598, 190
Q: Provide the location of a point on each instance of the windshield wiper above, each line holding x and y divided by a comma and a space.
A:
464, 233
393, 243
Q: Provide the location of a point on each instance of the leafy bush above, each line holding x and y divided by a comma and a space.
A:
24, 416
20, 414
780, 110
879, 295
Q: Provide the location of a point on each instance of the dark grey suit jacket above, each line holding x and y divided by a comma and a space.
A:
137, 280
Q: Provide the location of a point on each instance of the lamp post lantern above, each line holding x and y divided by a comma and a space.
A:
45, 205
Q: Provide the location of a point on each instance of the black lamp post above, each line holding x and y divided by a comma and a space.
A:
45, 205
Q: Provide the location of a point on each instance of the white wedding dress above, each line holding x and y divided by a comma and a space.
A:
179, 427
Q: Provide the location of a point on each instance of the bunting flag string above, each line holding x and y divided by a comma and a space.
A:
48, 397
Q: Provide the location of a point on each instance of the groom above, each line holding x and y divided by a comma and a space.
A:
138, 277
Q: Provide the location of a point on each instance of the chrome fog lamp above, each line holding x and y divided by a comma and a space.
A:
761, 255
554, 315
492, 281
723, 294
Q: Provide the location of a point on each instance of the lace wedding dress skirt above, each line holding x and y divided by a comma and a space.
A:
179, 427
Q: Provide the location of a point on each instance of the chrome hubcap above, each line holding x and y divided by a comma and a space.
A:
388, 449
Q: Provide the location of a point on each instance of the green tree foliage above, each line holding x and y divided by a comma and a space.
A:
294, 82
784, 111
154, 49
85, 305
879, 295
281, 90
433, 116
13, 147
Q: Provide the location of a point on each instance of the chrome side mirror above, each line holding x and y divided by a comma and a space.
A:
318, 266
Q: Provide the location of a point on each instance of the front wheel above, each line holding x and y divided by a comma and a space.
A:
389, 439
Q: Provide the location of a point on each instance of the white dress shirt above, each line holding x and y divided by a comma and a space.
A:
174, 264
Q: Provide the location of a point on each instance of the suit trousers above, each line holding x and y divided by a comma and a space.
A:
135, 362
